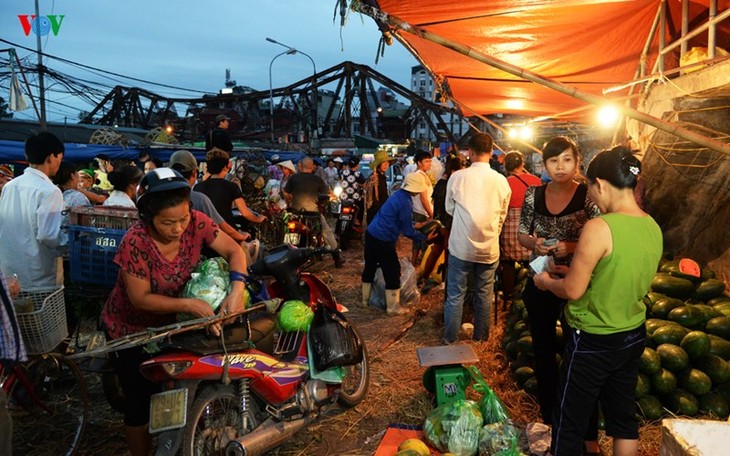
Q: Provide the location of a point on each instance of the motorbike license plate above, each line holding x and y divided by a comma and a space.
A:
291, 238
346, 217
168, 410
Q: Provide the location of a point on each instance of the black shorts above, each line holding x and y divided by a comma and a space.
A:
597, 367
137, 389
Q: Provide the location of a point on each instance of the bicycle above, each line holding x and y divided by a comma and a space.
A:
46, 396
48, 403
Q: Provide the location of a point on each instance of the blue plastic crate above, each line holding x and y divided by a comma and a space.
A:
92, 254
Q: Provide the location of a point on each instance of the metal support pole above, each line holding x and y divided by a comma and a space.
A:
41, 87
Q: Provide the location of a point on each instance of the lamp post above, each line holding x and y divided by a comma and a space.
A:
271, 90
291, 51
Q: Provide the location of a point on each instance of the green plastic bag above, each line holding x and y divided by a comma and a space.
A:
454, 427
498, 439
295, 316
210, 282
491, 407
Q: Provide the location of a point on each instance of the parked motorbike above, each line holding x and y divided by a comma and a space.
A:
252, 389
345, 213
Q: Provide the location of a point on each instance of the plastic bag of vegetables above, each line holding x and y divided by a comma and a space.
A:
498, 439
492, 409
454, 427
209, 282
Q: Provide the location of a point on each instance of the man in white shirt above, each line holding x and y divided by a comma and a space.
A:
437, 168
30, 217
477, 198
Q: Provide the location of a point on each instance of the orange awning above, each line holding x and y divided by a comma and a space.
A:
588, 45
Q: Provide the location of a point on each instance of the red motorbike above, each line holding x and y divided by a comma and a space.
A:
249, 391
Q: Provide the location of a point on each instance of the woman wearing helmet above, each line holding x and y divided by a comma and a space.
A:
156, 258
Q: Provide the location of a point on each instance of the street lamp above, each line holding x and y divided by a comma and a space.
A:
271, 90
291, 51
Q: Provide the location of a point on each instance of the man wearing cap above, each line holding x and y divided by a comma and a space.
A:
392, 220
184, 162
477, 197
376, 187
31, 209
87, 179
218, 136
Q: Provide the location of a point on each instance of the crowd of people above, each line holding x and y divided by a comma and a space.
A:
488, 215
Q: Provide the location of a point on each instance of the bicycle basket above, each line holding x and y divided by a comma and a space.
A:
43, 327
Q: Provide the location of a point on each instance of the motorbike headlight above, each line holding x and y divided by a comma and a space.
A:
337, 190
160, 371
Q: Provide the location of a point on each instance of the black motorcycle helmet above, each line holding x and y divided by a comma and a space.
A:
154, 184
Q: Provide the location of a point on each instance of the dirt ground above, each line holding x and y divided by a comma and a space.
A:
396, 391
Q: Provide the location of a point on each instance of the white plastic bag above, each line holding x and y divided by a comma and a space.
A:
409, 294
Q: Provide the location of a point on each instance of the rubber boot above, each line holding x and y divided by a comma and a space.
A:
392, 302
366, 287
339, 261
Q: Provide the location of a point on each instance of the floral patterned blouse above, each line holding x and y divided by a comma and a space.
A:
139, 256
566, 226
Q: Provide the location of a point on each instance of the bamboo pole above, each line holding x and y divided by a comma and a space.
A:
468, 51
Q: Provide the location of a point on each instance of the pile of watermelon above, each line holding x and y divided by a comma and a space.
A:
685, 368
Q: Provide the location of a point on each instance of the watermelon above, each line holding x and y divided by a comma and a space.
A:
524, 346
695, 381
531, 386
652, 324
523, 374
723, 309
720, 347
688, 316
643, 385
516, 364
669, 334
718, 300
719, 326
673, 357
709, 289
650, 362
715, 367
672, 268
708, 312
714, 404
650, 407
652, 297
675, 287
663, 382
662, 307
696, 344
723, 390
682, 403
708, 273
511, 349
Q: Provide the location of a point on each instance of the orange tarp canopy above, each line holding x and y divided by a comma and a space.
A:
589, 45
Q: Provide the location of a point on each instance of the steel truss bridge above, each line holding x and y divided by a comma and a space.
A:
352, 107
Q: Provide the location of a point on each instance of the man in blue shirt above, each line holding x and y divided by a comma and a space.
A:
392, 220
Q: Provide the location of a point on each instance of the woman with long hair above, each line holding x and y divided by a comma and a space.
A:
551, 221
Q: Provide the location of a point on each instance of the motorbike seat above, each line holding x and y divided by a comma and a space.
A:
309, 214
236, 337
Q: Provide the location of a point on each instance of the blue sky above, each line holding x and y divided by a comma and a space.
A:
189, 43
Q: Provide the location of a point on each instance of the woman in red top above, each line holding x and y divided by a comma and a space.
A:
511, 250
156, 258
